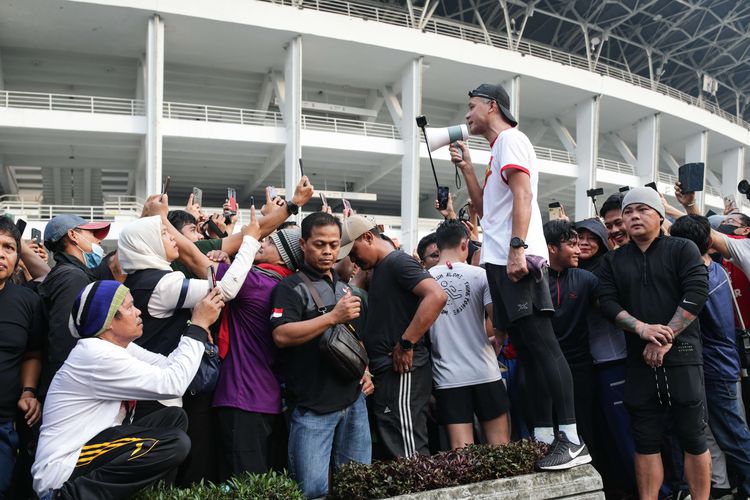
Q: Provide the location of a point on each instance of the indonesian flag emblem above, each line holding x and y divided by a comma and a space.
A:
277, 313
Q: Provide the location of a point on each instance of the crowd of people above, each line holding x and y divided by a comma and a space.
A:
200, 351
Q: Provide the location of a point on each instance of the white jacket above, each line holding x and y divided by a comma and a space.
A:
85, 397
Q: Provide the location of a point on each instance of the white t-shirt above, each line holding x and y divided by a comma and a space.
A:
86, 396
511, 150
461, 351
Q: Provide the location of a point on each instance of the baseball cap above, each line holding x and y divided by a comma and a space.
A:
498, 94
352, 228
59, 226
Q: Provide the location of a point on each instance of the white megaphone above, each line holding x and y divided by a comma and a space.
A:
442, 136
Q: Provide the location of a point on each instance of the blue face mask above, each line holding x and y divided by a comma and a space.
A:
94, 257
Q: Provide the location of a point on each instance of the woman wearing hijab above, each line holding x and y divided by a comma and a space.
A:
146, 249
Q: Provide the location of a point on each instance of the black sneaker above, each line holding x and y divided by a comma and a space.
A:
564, 454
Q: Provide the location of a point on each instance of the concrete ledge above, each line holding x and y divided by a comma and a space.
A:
582, 483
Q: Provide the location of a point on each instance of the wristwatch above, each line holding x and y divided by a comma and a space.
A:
292, 208
516, 242
406, 345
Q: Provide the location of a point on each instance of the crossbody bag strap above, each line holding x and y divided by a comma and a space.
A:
734, 299
315, 295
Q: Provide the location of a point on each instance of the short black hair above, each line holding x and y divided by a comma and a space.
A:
318, 219
744, 219
450, 234
287, 224
614, 202
9, 228
424, 243
695, 228
558, 231
180, 218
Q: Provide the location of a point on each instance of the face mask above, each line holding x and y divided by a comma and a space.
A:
727, 228
94, 257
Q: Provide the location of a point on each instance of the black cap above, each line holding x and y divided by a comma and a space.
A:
498, 94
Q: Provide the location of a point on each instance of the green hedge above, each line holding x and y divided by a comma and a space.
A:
468, 465
270, 486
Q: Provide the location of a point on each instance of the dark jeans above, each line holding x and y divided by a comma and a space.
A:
8, 450
730, 431
152, 447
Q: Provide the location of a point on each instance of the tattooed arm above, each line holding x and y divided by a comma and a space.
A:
680, 320
656, 334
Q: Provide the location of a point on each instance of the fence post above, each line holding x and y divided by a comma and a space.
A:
92, 104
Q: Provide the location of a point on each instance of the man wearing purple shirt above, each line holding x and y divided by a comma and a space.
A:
248, 395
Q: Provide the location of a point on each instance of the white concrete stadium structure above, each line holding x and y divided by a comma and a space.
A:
99, 100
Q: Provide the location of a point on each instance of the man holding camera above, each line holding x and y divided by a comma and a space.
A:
515, 255
329, 411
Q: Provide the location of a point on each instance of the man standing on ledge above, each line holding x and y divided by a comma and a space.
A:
515, 254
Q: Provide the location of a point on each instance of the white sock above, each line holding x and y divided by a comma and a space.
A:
544, 434
571, 431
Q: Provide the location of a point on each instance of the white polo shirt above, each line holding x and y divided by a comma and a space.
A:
511, 150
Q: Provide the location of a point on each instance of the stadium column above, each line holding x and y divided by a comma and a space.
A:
732, 171
513, 87
411, 104
291, 111
696, 150
647, 163
2, 78
587, 151
154, 93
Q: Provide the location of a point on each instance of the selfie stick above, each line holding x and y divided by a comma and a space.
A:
429, 153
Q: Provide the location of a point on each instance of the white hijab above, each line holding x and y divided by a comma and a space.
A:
140, 246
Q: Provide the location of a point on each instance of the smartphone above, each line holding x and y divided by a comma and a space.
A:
729, 203
166, 187
624, 189
198, 196
555, 210
21, 225
211, 276
347, 205
652, 185
442, 196
36, 235
323, 198
272, 192
301, 169
232, 197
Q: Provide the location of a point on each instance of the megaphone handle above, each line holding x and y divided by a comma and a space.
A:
429, 153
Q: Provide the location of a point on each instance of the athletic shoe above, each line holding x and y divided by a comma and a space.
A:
564, 454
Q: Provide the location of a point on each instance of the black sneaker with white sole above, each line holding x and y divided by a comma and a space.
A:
564, 454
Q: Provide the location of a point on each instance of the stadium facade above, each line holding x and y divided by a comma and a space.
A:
99, 100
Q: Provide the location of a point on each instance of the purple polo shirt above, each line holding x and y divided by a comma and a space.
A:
249, 378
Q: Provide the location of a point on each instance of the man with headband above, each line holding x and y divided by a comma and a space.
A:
90, 445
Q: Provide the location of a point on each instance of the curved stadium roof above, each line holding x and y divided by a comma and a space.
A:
675, 42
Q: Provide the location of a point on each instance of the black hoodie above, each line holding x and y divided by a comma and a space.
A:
651, 285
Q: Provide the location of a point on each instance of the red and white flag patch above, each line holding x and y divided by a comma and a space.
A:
277, 313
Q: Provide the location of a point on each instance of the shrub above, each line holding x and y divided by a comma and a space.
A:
472, 464
271, 486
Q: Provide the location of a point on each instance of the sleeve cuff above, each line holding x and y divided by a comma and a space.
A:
514, 167
196, 332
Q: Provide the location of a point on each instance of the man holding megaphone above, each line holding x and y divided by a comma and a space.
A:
514, 254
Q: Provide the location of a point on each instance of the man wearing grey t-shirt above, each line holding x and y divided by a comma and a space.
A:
465, 371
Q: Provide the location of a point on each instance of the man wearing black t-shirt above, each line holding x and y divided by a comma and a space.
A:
653, 288
21, 337
404, 301
329, 410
